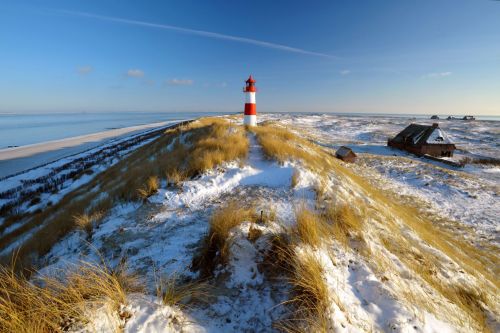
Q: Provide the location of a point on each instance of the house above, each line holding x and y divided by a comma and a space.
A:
469, 118
422, 140
345, 154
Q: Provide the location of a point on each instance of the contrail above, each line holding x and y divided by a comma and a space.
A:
203, 33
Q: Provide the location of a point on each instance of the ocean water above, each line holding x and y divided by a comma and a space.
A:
25, 129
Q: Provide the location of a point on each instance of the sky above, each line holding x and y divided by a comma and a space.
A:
398, 56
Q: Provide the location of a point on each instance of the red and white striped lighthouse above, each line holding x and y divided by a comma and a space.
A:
250, 107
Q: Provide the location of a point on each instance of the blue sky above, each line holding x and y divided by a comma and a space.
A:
426, 56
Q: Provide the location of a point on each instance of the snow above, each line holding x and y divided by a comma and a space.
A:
439, 137
161, 236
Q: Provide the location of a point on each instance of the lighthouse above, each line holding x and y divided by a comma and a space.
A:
250, 107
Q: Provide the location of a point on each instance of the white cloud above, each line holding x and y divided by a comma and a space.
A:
203, 33
83, 70
179, 82
436, 75
135, 73
345, 72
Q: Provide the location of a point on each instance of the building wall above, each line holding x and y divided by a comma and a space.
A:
433, 150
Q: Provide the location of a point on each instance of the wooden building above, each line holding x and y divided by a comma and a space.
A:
423, 140
345, 154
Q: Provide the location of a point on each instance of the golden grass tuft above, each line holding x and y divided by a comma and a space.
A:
254, 233
174, 292
87, 222
344, 223
48, 304
150, 188
310, 299
310, 227
175, 177
220, 143
215, 246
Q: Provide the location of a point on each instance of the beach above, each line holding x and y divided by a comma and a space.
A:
17, 159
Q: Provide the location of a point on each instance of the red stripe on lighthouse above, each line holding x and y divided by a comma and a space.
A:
250, 109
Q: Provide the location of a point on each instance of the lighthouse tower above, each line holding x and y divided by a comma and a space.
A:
250, 107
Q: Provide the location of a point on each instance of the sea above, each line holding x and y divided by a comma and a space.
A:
19, 129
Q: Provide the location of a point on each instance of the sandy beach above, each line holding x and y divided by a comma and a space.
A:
13, 160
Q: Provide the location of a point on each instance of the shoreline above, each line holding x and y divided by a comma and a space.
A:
47, 146
22, 159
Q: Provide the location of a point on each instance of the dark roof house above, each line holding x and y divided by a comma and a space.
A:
345, 154
422, 140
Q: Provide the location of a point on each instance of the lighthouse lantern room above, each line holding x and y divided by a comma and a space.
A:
250, 106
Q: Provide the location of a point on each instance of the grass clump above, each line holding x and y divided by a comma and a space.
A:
48, 304
344, 223
310, 227
215, 246
150, 188
174, 292
310, 296
87, 222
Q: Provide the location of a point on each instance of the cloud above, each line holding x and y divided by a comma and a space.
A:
83, 70
179, 82
135, 73
345, 72
436, 75
203, 33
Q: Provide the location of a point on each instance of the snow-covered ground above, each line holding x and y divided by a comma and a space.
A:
469, 195
160, 237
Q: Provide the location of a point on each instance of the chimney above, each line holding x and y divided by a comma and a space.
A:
435, 125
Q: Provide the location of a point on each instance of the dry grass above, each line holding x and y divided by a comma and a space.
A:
87, 222
52, 305
150, 188
221, 143
310, 227
393, 217
254, 233
209, 141
344, 223
173, 292
175, 177
469, 300
310, 299
215, 246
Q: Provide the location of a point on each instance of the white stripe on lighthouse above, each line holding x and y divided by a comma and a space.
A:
250, 97
250, 120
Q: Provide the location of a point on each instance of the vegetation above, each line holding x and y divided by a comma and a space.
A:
415, 234
310, 227
181, 153
215, 246
150, 188
87, 222
48, 304
174, 292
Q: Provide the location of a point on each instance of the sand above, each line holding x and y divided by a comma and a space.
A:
13, 160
